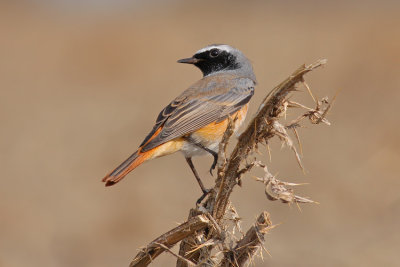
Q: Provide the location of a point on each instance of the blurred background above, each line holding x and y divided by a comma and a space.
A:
81, 83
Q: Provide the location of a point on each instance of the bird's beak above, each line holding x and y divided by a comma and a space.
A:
190, 60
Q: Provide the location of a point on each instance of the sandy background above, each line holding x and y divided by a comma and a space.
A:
81, 84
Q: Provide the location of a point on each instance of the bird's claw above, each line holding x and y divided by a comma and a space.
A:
205, 193
212, 168
213, 165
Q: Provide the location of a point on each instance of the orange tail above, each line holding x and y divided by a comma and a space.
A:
122, 170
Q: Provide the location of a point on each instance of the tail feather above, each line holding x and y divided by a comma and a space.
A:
122, 170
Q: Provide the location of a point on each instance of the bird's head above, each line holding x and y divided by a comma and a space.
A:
220, 58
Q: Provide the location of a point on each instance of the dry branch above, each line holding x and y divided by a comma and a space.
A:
212, 243
249, 244
169, 239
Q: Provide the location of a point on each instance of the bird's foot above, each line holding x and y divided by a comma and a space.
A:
212, 168
205, 193
214, 164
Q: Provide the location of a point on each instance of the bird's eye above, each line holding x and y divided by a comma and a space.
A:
214, 52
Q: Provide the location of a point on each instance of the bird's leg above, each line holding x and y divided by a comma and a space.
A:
212, 152
203, 189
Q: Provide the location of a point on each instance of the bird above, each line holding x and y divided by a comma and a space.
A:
195, 121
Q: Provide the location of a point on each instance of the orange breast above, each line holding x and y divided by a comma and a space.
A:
214, 131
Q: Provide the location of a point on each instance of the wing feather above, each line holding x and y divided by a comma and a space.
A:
209, 100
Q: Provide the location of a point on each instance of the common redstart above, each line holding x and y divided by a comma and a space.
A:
196, 120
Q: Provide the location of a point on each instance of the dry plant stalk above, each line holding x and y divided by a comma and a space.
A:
169, 239
248, 245
208, 236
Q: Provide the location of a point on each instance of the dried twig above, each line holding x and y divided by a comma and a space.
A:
247, 246
188, 262
278, 190
169, 239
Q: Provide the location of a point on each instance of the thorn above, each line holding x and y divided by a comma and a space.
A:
329, 106
309, 91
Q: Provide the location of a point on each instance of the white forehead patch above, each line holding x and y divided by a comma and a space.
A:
226, 48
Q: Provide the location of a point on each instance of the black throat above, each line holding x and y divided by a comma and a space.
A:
208, 65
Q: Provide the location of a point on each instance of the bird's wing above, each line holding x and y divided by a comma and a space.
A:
211, 99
